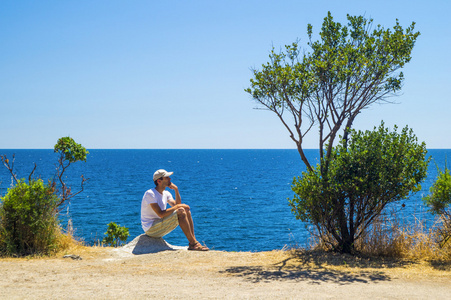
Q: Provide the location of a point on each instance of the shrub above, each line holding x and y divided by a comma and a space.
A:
28, 223
438, 201
115, 235
365, 174
29, 211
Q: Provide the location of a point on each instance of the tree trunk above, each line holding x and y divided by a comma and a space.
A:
303, 157
347, 239
347, 246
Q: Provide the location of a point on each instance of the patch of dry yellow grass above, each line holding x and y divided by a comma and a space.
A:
386, 238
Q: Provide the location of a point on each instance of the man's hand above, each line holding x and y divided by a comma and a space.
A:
173, 187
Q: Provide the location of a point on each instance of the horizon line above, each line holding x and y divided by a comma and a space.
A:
188, 149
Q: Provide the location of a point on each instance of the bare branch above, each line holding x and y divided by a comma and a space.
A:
10, 168
31, 174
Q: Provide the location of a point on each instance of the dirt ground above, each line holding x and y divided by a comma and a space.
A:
108, 273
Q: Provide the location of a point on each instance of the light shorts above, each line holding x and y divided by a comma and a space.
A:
163, 226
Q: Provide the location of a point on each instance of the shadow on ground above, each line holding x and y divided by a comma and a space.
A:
441, 265
321, 258
260, 274
319, 267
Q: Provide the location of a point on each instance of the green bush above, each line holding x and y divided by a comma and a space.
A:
115, 235
28, 219
440, 193
439, 200
373, 169
29, 211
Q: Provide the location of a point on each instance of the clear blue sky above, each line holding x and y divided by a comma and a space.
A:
171, 74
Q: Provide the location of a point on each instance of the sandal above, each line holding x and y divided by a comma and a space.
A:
197, 247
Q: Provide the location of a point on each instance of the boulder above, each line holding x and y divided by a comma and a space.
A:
144, 244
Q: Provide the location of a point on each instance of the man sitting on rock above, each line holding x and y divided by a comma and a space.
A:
157, 220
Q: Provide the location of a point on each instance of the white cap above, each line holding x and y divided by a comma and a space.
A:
160, 174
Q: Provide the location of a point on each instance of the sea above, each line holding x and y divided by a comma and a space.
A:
238, 198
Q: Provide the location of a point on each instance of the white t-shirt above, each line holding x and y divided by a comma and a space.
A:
148, 215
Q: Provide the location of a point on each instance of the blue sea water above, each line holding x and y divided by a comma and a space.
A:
238, 197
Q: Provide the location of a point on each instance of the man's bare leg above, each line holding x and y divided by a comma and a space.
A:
186, 225
190, 220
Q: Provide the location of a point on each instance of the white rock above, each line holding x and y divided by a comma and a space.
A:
144, 244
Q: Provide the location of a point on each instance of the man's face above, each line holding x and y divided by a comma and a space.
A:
166, 181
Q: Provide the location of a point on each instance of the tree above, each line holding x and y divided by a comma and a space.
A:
69, 152
347, 70
374, 169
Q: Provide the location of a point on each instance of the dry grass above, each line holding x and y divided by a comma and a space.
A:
415, 242
65, 243
387, 239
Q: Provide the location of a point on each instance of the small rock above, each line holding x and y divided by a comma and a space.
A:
73, 256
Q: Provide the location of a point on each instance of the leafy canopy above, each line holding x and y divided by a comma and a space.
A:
326, 85
70, 150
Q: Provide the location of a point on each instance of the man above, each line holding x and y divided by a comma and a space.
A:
157, 219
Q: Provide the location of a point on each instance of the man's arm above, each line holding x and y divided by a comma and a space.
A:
163, 213
178, 199
173, 203
167, 212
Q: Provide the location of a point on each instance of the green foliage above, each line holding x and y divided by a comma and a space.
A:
115, 235
28, 223
70, 150
325, 87
330, 82
371, 170
440, 193
438, 201
29, 211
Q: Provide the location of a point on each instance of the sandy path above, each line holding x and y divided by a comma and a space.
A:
106, 273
